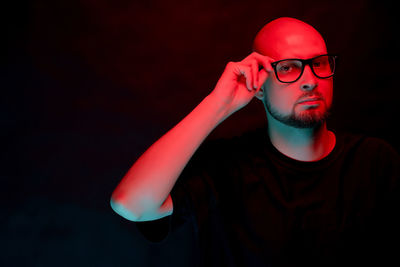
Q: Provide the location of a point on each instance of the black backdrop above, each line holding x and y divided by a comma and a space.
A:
89, 85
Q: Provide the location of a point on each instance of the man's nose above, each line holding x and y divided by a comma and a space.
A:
309, 80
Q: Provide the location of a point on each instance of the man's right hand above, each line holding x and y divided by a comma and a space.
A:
241, 81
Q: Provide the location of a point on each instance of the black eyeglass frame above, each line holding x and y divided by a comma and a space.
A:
304, 63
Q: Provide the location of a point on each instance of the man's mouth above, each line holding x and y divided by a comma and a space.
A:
310, 99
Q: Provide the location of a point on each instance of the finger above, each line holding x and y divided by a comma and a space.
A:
255, 72
262, 76
246, 72
243, 74
262, 60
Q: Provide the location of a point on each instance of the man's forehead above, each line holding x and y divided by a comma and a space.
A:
296, 46
289, 38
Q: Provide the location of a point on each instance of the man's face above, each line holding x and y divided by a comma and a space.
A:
304, 103
301, 104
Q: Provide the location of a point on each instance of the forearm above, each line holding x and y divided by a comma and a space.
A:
150, 180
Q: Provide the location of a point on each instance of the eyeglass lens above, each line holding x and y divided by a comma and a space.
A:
289, 70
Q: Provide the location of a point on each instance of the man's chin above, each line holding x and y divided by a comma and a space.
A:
303, 118
307, 122
308, 118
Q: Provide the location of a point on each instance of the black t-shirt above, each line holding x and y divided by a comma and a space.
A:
249, 205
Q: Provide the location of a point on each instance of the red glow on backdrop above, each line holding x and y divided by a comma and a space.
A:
91, 84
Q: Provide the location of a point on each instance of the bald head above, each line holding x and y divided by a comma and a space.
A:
289, 38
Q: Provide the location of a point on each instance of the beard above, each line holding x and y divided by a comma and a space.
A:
309, 118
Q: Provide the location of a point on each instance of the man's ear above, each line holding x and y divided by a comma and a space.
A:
260, 93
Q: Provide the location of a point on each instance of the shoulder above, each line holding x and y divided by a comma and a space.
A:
370, 145
384, 154
372, 153
380, 146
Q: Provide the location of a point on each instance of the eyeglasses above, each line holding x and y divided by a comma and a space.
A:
290, 70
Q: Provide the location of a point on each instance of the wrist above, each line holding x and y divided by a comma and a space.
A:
218, 107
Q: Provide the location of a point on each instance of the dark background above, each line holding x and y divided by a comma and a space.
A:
89, 85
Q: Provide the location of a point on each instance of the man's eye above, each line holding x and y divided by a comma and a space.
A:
285, 68
320, 64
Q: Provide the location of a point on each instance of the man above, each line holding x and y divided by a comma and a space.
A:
292, 194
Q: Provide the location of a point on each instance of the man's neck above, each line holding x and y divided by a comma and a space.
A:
303, 144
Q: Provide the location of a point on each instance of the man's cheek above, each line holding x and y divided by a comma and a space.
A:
326, 89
